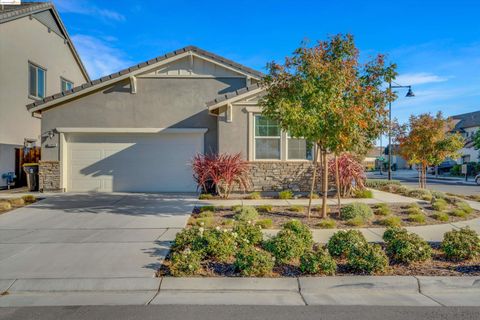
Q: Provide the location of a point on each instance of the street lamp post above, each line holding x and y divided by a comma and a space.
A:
408, 95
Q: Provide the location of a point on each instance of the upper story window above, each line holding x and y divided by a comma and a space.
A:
299, 149
267, 138
65, 85
37, 77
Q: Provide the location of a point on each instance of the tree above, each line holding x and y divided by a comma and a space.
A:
476, 140
427, 140
326, 96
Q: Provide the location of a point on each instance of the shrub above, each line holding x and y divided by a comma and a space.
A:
351, 173
462, 205
265, 223
314, 196
382, 209
439, 204
265, 208
205, 196
253, 262
342, 242
290, 243
395, 188
206, 208
246, 213
189, 239
16, 201
247, 233
327, 224
422, 194
220, 244
407, 247
185, 263
356, 222
440, 216
417, 217
29, 198
285, 194
453, 199
438, 195
317, 261
392, 233
228, 222
461, 244
206, 222
301, 230
367, 258
377, 183
391, 221
363, 193
236, 208
206, 214
255, 196
458, 213
414, 208
354, 210
296, 208
5, 205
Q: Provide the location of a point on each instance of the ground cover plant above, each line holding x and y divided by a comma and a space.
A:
8, 204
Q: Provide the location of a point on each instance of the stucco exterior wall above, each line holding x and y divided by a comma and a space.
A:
235, 131
158, 103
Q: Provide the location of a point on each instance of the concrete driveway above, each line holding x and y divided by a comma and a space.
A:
91, 235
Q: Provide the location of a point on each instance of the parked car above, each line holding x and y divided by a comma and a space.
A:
446, 166
477, 179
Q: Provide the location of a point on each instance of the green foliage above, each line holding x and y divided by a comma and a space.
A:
265, 208
382, 209
439, 204
248, 233
462, 205
342, 242
458, 213
392, 233
254, 196
327, 224
363, 193
206, 214
206, 208
236, 208
264, 223
205, 196
317, 261
441, 216
356, 222
206, 222
422, 194
228, 222
367, 258
297, 208
391, 221
220, 244
438, 195
189, 239
246, 213
185, 263
354, 210
417, 217
378, 183
286, 246
459, 245
407, 247
414, 208
285, 194
253, 262
301, 230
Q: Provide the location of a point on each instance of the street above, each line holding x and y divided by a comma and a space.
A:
185, 312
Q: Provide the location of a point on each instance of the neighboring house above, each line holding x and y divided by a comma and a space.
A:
37, 59
467, 125
400, 162
371, 159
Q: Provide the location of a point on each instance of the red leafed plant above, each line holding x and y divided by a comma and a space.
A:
350, 172
223, 170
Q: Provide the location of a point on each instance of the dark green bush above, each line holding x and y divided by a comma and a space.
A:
461, 244
317, 261
354, 210
394, 232
185, 263
342, 242
220, 244
407, 247
247, 233
367, 258
301, 230
246, 213
189, 239
286, 246
253, 262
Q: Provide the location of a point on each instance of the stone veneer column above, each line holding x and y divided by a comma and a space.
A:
49, 175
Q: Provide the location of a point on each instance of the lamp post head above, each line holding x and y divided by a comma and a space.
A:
410, 93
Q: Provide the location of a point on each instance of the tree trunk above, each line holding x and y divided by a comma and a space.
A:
420, 177
324, 184
314, 178
337, 182
424, 176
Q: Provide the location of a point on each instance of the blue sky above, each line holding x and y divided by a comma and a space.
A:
436, 44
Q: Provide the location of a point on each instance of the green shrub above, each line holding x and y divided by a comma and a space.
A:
342, 242
185, 263
459, 245
206, 222
228, 222
189, 239
246, 213
317, 261
253, 262
290, 243
462, 205
363, 193
206, 208
414, 208
285, 194
392, 233
265, 208
417, 217
29, 198
391, 221
314, 196
439, 204
296, 208
458, 213
254, 196
16, 201
382, 209
453, 199
265, 223
407, 247
438, 195
247, 233
220, 244
367, 258
355, 222
441, 216
377, 183
327, 224
205, 196
5, 205
206, 214
354, 210
236, 208
302, 230
395, 188
422, 194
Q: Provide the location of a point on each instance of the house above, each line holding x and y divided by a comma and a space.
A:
37, 59
467, 125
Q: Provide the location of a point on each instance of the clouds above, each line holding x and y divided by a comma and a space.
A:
84, 7
100, 57
411, 79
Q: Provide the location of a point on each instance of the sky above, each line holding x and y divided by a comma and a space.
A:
435, 44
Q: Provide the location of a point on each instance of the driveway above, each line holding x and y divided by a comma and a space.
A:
91, 235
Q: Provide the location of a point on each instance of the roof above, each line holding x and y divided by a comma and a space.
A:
13, 12
234, 95
41, 104
467, 120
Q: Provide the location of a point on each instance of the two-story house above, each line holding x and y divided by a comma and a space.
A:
468, 124
37, 59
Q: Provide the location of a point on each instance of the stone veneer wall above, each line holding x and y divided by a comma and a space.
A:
49, 175
274, 176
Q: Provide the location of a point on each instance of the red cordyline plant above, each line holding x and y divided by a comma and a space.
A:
224, 171
351, 173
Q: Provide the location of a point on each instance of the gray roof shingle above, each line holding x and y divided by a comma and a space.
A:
232, 94
467, 120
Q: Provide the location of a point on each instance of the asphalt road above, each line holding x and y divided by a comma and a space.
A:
240, 313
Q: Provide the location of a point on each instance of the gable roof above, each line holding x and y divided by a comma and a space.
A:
141, 67
236, 95
467, 120
35, 9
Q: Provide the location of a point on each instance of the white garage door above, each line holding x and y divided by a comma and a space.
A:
134, 162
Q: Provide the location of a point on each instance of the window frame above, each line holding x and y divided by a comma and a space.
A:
255, 137
62, 80
37, 67
288, 137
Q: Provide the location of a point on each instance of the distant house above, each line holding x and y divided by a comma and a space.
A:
467, 125
37, 59
397, 159
371, 160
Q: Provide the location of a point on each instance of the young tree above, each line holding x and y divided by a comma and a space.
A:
326, 96
427, 140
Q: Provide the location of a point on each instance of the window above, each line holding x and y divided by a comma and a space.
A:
267, 138
299, 149
65, 85
36, 81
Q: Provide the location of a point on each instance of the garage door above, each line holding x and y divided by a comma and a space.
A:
134, 162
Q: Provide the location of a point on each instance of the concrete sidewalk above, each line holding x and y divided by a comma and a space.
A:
345, 290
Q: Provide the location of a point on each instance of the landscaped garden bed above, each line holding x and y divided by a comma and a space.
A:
15, 203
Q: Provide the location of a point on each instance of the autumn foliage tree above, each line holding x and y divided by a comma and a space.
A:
326, 96
427, 140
